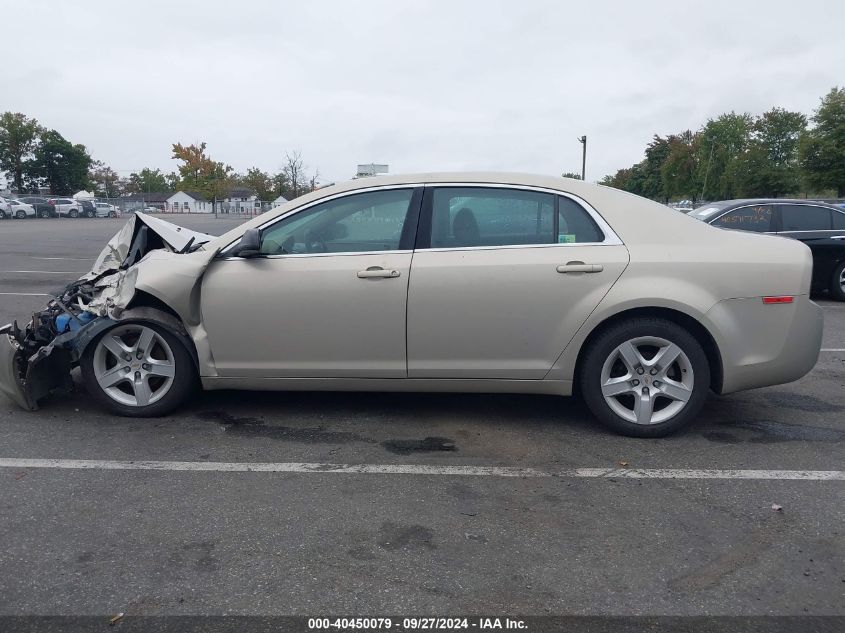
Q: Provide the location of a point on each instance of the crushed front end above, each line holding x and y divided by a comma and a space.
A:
37, 359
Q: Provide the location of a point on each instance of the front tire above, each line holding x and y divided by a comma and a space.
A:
89, 214
646, 377
20, 215
44, 214
138, 369
74, 213
837, 282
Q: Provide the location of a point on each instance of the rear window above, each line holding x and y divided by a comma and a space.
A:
705, 212
756, 218
804, 217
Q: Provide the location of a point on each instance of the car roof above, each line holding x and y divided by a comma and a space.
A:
724, 204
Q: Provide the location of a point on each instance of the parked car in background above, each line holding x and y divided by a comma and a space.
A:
106, 210
152, 210
14, 208
87, 208
66, 207
819, 225
43, 208
479, 282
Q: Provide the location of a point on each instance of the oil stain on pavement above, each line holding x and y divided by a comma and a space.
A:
257, 427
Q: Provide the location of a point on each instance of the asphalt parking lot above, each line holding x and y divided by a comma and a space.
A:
445, 535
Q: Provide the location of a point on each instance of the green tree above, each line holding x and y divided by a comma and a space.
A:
721, 143
679, 169
571, 174
18, 139
152, 181
822, 149
260, 182
631, 179
58, 164
105, 181
656, 154
200, 173
769, 167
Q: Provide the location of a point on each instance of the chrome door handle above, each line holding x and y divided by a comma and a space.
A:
580, 267
376, 272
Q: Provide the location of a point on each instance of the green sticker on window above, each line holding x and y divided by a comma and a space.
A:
566, 238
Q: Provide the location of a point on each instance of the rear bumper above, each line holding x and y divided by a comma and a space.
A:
763, 345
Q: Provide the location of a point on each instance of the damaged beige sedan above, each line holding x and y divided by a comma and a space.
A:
476, 282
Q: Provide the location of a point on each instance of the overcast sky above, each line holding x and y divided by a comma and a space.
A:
423, 86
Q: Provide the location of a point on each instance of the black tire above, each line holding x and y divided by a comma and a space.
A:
2, 215
89, 214
837, 291
603, 347
112, 214
44, 214
184, 381
73, 213
20, 215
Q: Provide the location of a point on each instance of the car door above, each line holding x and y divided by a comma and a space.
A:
814, 225
502, 278
327, 296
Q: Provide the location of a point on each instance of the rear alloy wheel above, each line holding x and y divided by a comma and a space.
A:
646, 377
74, 213
20, 215
2, 215
44, 214
837, 282
138, 369
89, 214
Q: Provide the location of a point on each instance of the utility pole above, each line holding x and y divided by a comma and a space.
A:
583, 141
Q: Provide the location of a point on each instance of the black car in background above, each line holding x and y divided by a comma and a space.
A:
88, 209
43, 209
819, 225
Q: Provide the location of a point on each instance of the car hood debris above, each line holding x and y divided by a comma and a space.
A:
37, 359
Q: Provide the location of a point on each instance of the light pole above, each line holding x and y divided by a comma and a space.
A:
583, 141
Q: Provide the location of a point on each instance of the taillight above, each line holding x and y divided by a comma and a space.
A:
779, 299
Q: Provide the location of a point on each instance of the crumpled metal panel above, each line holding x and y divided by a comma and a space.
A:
109, 286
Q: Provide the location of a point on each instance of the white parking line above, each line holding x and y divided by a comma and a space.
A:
25, 294
414, 469
833, 349
75, 259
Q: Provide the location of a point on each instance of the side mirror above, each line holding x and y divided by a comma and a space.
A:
250, 244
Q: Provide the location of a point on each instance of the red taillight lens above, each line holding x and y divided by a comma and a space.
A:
781, 299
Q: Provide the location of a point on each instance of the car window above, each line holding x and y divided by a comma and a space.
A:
478, 216
575, 226
838, 220
804, 217
756, 218
355, 223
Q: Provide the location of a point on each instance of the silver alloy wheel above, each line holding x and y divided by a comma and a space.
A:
842, 280
134, 365
647, 380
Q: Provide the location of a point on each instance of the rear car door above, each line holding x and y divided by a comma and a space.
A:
326, 298
814, 225
502, 278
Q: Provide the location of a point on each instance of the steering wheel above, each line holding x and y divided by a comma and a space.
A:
315, 243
